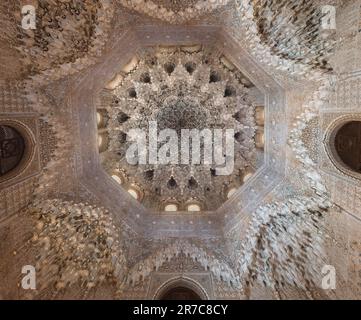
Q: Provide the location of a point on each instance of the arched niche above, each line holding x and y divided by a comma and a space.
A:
178, 288
348, 145
17, 147
342, 145
102, 141
171, 207
180, 293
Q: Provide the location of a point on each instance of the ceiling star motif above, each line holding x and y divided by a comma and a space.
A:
182, 89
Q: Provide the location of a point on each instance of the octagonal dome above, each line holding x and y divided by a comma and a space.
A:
180, 128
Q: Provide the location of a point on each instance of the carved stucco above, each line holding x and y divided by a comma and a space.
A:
326, 200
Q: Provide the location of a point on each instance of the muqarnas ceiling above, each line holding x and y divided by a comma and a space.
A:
189, 87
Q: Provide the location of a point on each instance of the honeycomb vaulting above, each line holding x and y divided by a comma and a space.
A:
282, 76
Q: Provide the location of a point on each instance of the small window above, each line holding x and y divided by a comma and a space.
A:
100, 141
134, 193
99, 118
247, 176
193, 207
117, 178
231, 192
171, 207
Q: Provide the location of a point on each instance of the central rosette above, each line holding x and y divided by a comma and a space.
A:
176, 102
181, 113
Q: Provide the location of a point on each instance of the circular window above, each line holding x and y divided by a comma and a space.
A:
12, 148
348, 145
